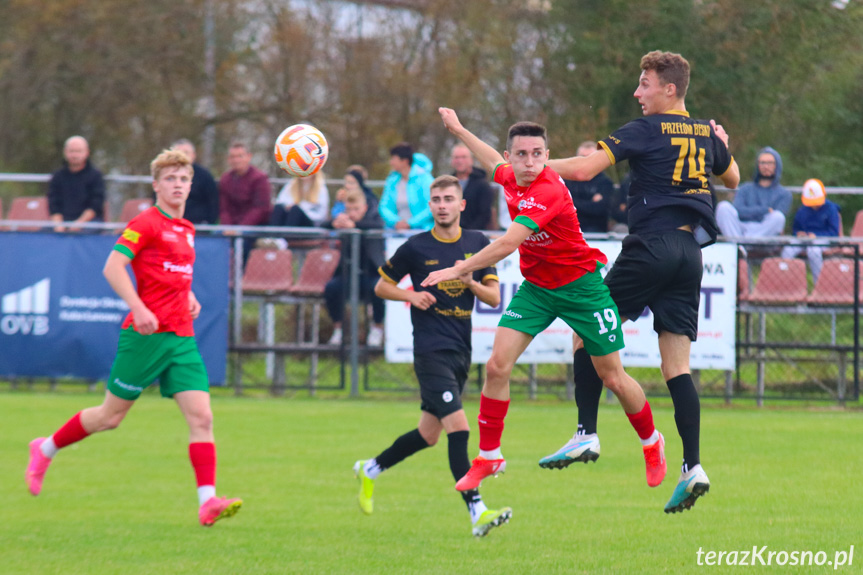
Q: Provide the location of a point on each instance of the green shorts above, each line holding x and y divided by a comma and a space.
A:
585, 305
141, 359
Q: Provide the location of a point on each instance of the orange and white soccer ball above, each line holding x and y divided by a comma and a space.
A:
301, 150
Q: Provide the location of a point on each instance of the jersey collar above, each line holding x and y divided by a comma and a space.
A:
678, 112
444, 240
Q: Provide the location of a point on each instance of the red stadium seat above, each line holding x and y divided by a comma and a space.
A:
742, 280
835, 284
132, 208
781, 281
318, 268
29, 208
268, 272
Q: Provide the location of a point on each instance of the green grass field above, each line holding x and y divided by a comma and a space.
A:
124, 502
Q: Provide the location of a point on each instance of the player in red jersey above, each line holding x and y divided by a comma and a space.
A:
562, 279
157, 339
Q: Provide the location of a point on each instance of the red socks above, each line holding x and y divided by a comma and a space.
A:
71, 432
492, 412
203, 456
642, 421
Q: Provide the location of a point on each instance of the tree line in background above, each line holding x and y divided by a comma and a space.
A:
132, 76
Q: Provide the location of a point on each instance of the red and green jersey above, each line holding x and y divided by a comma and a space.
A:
556, 253
162, 249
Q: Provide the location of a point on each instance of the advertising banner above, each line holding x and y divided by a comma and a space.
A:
60, 318
713, 350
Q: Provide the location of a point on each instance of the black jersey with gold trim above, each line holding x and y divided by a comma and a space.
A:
446, 324
670, 157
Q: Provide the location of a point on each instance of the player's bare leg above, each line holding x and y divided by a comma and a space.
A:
508, 346
195, 406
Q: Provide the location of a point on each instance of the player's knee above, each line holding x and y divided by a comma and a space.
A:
202, 420
112, 421
497, 371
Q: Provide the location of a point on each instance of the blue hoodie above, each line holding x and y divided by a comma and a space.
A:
418, 186
753, 200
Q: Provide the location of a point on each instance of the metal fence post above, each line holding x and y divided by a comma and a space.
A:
354, 237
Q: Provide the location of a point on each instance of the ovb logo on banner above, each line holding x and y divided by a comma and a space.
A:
60, 318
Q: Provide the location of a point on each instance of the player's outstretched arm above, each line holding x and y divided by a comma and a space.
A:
486, 257
487, 156
581, 168
119, 280
385, 289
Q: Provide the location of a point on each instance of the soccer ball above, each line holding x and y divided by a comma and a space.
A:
301, 150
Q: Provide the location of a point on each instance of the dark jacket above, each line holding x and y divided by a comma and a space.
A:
593, 216
202, 207
822, 221
71, 193
371, 248
478, 197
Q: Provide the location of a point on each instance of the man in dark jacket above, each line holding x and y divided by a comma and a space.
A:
202, 207
76, 192
357, 215
476, 190
591, 198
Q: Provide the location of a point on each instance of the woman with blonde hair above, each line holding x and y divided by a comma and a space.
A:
302, 202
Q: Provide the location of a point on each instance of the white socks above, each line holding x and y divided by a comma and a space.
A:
650, 440
493, 454
372, 469
49, 448
476, 509
205, 492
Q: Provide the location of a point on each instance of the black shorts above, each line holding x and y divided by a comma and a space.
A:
663, 272
442, 375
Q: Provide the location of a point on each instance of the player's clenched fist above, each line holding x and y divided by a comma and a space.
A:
422, 300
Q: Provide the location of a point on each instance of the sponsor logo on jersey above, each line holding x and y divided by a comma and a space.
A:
530, 203
184, 269
26, 311
191, 239
131, 235
452, 288
538, 237
432, 262
169, 237
511, 313
179, 229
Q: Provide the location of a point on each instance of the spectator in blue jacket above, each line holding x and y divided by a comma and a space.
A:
818, 217
760, 206
404, 203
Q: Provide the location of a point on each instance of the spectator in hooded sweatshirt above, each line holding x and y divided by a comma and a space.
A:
476, 190
404, 203
818, 217
76, 192
760, 206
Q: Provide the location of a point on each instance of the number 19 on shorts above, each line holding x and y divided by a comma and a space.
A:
609, 316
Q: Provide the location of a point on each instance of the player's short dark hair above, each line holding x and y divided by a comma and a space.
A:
671, 68
531, 129
404, 151
446, 181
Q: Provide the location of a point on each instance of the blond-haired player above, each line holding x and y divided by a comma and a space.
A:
157, 339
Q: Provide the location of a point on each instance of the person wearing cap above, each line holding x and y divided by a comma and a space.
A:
761, 206
818, 217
